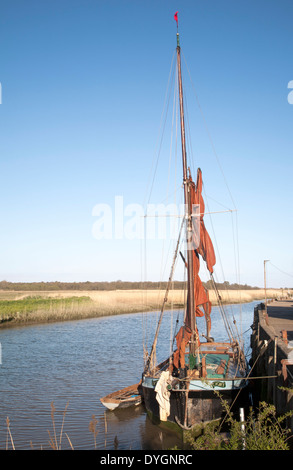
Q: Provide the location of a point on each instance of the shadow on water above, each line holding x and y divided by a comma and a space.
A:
150, 435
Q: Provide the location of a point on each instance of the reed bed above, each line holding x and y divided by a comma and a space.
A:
19, 307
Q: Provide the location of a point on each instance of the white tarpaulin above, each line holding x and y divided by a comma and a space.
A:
163, 395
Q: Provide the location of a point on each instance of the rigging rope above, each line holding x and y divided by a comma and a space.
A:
234, 229
209, 135
280, 270
222, 309
166, 105
152, 357
148, 193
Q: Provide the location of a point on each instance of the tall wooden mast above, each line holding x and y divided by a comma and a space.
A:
188, 208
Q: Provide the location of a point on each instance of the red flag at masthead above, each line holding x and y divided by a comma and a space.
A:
176, 17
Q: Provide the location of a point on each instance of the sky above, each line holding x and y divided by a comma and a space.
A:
84, 86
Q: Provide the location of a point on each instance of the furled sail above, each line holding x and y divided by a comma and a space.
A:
205, 248
202, 245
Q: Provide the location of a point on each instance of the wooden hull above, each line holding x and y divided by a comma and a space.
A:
129, 396
191, 399
189, 409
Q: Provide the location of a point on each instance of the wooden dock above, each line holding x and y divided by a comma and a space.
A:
280, 319
272, 354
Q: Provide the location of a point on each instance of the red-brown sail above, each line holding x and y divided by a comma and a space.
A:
201, 297
205, 248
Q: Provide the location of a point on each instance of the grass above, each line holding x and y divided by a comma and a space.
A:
37, 308
18, 307
262, 429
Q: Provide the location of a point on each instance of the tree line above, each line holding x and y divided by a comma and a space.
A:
111, 285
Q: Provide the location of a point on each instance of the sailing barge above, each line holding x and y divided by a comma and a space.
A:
186, 388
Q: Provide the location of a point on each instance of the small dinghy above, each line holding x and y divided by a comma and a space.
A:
129, 396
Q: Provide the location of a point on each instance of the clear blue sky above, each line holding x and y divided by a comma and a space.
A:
83, 86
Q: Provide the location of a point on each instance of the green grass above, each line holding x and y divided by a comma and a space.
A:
41, 308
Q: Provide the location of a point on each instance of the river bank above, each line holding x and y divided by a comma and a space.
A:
22, 307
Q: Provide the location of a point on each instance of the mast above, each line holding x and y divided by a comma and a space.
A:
188, 208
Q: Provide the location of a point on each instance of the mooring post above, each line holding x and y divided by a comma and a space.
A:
241, 413
275, 365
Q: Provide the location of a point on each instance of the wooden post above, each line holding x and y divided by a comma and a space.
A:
275, 368
284, 337
265, 282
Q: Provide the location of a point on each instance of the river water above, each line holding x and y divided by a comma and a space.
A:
62, 369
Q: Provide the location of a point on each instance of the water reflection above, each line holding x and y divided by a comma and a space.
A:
141, 432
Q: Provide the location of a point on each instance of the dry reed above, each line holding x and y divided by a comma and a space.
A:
102, 303
93, 429
9, 433
53, 441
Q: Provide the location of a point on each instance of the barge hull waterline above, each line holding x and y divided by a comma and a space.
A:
193, 407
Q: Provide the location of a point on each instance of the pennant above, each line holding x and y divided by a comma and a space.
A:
176, 17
